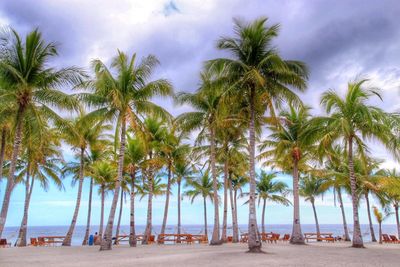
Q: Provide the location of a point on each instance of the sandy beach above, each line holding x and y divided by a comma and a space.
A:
338, 254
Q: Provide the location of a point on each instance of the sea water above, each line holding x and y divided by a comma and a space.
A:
11, 233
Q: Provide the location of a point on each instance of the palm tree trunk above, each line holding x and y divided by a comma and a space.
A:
205, 217
396, 209
179, 206
316, 219
21, 241
68, 237
235, 236
87, 231
371, 226
132, 234
236, 213
357, 238
11, 175
215, 235
102, 193
2, 149
380, 233
149, 226
263, 215
164, 223
225, 215
297, 236
346, 230
107, 240
254, 236
121, 204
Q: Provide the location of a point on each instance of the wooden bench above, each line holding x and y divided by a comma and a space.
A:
321, 237
178, 238
270, 237
4, 243
50, 240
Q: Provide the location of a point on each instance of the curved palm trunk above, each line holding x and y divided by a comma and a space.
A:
254, 236
87, 231
316, 218
179, 206
132, 234
21, 241
357, 238
2, 150
215, 235
345, 228
371, 226
68, 237
263, 215
396, 209
225, 215
147, 232
235, 236
164, 223
121, 201
380, 233
205, 217
11, 177
297, 236
102, 193
107, 240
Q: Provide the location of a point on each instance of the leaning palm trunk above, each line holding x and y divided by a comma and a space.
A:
345, 228
2, 150
121, 204
87, 231
107, 240
316, 219
11, 175
254, 236
215, 235
147, 232
380, 232
396, 209
179, 206
68, 237
205, 217
102, 193
21, 241
132, 234
297, 236
225, 215
263, 215
164, 223
357, 238
235, 236
371, 226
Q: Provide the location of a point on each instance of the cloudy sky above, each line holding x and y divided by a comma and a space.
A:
339, 40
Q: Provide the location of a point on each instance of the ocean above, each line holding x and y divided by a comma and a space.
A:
11, 233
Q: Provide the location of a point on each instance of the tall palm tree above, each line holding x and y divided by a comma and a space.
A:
201, 186
134, 156
292, 143
123, 93
207, 104
351, 119
80, 132
263, 79
310, 188
31, 87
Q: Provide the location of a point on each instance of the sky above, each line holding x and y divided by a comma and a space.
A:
339, 40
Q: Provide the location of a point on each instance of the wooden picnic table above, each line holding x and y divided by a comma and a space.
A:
321, 237
270, 237
51, 240
244, 238
181, 238
139, 238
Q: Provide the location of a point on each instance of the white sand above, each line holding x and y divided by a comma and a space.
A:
338, 254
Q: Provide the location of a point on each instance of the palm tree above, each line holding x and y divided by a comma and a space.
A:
134, 156
263, 79
270, 190
237, 180
207, 104
201, 186
310, 188
32, 87
80, 132
380, 218
291, 147
351, 119
124, 190
124, 96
